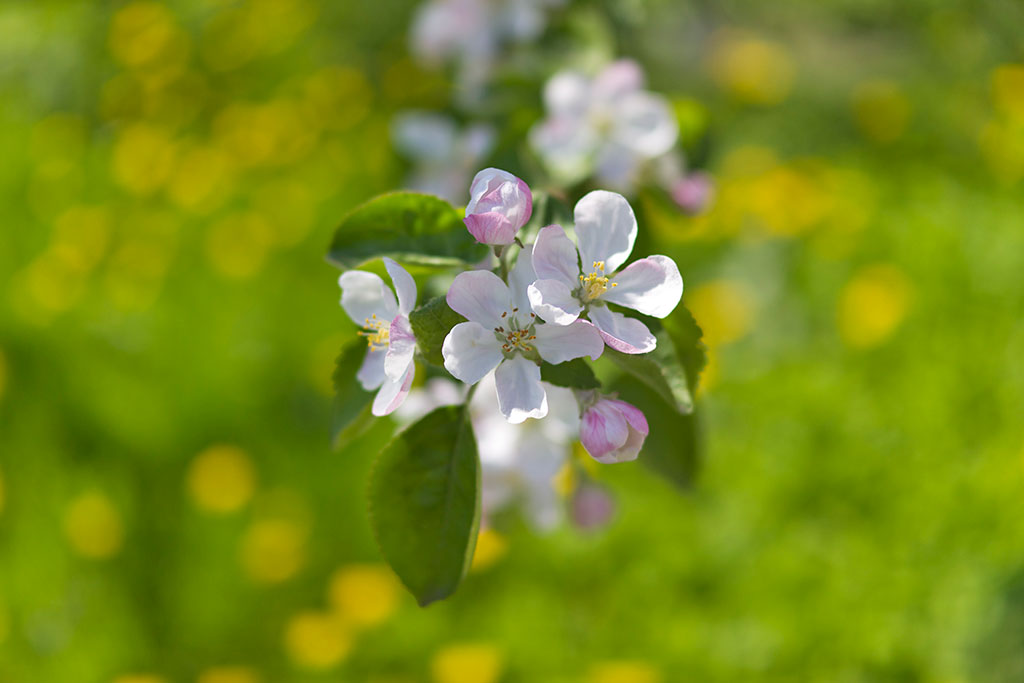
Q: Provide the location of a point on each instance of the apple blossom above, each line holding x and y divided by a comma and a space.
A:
444, 156
607, 126
613, 431
501, 332
371, 304
499, 205
605, 231
694, 192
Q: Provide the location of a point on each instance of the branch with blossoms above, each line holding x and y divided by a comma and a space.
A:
567, 309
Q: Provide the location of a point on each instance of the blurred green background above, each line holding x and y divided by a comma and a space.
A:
170, 508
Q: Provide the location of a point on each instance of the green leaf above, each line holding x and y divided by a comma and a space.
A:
687, 337
574, 374
660, 370
431, 323
414, 229
672, 448
351, 402
425, 502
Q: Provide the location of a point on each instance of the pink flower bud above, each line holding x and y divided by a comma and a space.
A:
694, 193
613, 431
592, 507
499, 205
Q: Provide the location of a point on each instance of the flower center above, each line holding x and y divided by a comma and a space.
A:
595, 284
377, 332
515, 338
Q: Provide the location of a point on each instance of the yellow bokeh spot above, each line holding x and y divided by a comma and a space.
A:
750, 69
337, 97
273, 550
81, 235
724, 309
1008, 91
263, 134
237, 245
490, 547
143, 158
881, 110
467, 663
139, 678
260, 27
317, 640
1002, 145
229, 674
221, 479
364, 594
564, 481
202, 180
93, 526
873, 304
141, 32
623, 672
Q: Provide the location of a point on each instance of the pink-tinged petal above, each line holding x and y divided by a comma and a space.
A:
603, 431
480, 296
618, 79
634, 416
519, 281
500, 204
644, 123
405, 286
520, 393
392, 393
627, 335
401, 348
470, 351
651, 285
693, 193
560, 343
567, 145
371, 373
491, 228
364, 296
555, 257
605, 229
553, 302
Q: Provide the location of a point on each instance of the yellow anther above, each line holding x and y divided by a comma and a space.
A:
378, 333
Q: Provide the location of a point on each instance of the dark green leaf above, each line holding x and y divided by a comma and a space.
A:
425, 502
414, 229
351, 402
687, 337
660, 370
672, 448
431, 323
575, 374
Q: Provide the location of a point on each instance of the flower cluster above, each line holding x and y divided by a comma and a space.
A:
546, 303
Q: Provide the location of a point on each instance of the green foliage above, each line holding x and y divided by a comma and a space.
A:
414, 229
350, 409
660, 370
687, 338
425, 502
574, 374
431, 323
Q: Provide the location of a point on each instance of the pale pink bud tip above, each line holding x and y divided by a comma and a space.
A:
694, 193
499, 205
613, 431
592, 507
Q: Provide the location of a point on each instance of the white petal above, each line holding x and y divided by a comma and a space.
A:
392, 393
567, 93
566, 145
470, 351
553, 302
605, 229
618, 79
520, 394
618, 167
371, 373
644, 122
559, 343
364, 295
424, 136
651, 285
484, 183
555, 257
480, 296
627, 335
405, 286
519, 281
401, 348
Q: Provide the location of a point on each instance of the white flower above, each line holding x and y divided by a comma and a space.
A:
605, 230
503, 333
389, 360
444, 156
606, 126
